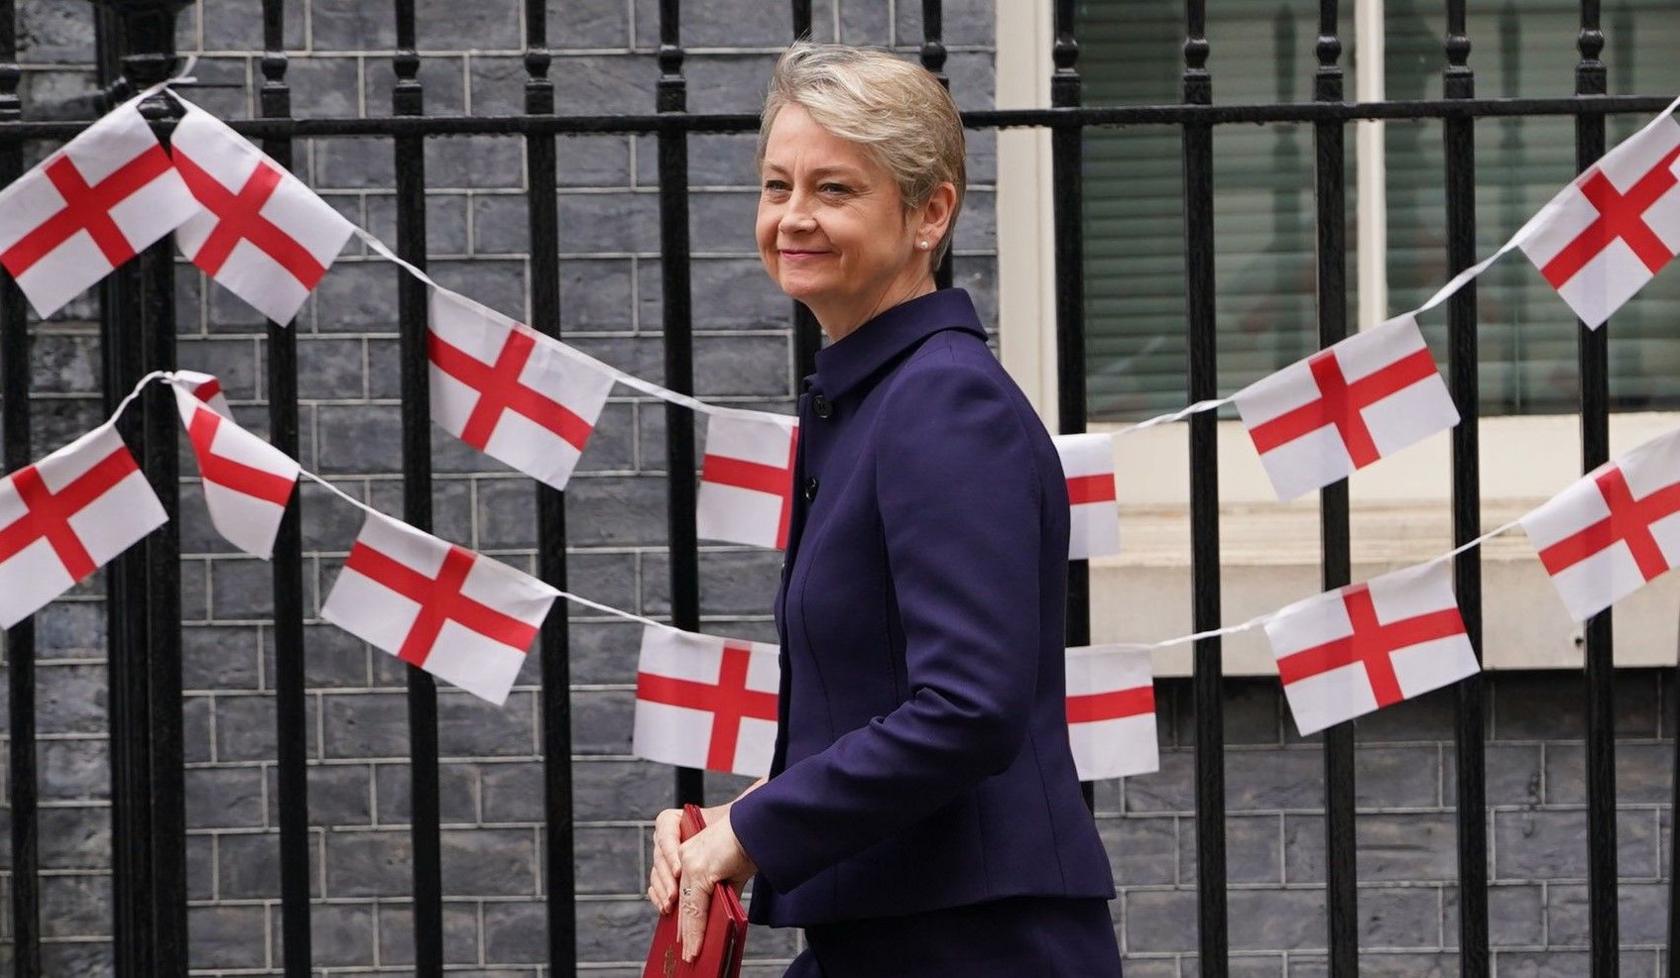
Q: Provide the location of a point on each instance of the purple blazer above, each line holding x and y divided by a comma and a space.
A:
922, 756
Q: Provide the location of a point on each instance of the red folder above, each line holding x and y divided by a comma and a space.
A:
726, 929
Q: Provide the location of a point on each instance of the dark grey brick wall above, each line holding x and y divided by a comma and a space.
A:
493, 837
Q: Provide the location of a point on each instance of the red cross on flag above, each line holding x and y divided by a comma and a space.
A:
247, 481
1347, 652
62, 518
206, 388
88, 208
1614, 530
512, 393
746, 480
458, 615
1346, 406
1111, 712
1614, 228
260, 232
1088, 464
705, 702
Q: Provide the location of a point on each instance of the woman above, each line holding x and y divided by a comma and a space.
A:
922, 810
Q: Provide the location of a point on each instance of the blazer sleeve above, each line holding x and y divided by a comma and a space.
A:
960, 502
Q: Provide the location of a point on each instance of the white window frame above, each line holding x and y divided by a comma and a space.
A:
1401, 507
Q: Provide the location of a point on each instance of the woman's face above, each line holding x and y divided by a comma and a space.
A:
832, 228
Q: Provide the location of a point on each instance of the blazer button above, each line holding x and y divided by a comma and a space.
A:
821, 405
810, 489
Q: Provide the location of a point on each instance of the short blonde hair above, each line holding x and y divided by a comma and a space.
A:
897, 110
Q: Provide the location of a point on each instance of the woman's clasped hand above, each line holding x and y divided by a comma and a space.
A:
709, 857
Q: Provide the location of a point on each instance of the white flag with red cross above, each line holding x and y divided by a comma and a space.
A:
1614, 228
1088, 465
1346, 406
88, 208
456, 614
260, 232
64, 517
706, 702
247, 481
746, 479
1614, 530
206, 388
1111, 712
512, 393
1348, 652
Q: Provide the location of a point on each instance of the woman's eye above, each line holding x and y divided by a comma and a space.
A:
775, 185
838, 188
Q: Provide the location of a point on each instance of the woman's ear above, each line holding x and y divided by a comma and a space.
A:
935, 219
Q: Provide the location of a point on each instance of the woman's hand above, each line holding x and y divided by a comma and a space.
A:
709, 857
667, 835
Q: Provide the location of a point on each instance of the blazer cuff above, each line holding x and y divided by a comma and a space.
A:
750, 820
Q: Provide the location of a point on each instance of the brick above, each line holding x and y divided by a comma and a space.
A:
74, 906
366, 725
616, 511
325, 86
595, 293
368, 864
355, 162
477, 162
489, 862
451, 501
340, 934
588, 23
611, 929
731, 582
492, 24
195, 728
63, 629
609, 859
499, 284
963, 22
224, 797
1154, 920
339, 794
245, 728
1642, 914
460, 934
94, 959
608, 222
513, 792
347, 25
1553, 845
1516, 915
74, 770
201, 867
589, 84
248, 865
359, 439
1253, 850
333, 658
54, 32
619, 789
63, 363
866, 23
1399, 917
220, 937
728, 82
1271, 779
471, 727
1141, 851
70, 699
331, 368
603, 721
1547, 706
1407, 847
1251, 713
1644, 773
238, 26
723, 220
1171, 789
1513, 774
446, 228
1276, 919
219, 657
457, 793
1397, 777
743, 365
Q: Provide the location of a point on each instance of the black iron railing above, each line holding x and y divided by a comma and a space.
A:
144, 587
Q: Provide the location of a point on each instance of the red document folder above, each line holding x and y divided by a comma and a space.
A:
726, 929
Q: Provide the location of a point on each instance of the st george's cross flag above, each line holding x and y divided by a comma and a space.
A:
746, 479
456, 614
247, 481
1347, 652
206, 388
1088, 464
260, 232
706, 702
1614, 228
512, 393
88, 208
1346, 406
1614, 530
64, 517
1111, 712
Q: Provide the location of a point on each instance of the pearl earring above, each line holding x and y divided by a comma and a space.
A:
922, 245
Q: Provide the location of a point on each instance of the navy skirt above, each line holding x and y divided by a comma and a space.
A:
1045, 937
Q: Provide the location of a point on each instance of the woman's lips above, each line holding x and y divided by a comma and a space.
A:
801, 255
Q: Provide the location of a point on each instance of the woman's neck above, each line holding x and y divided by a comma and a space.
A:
841, 319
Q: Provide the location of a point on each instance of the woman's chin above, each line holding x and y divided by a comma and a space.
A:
803, 285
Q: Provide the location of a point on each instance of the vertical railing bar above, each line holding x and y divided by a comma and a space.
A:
23, 787
407, 99
1203, 380
1590, 80
933, 59
543, 212
807, 333
125, 616
1067, 161
672, 98
291, 729
1341, 872
1458, 134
